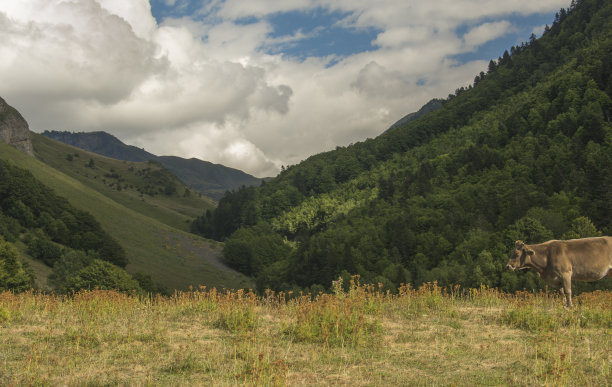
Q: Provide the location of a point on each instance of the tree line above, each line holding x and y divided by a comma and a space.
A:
522, 153
70, 241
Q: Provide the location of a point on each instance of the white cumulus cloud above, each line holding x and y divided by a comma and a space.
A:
212, 86
486, 32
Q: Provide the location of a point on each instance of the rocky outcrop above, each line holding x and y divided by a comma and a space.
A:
14, 128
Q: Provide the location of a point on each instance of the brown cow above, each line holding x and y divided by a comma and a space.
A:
557, 262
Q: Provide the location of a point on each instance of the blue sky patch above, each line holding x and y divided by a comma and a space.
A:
522, 28
180, 8
324, 35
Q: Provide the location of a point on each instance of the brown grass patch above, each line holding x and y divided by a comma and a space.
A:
426, 336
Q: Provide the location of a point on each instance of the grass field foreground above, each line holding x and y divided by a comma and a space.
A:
356, 336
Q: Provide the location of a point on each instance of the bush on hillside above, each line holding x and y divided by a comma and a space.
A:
102, 275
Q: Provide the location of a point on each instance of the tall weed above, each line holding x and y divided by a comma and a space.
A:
5, 315
543, 312
236, 311
257, 363
102, 337
340, 319
429, 297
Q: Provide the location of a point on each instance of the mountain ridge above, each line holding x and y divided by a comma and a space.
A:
431, 106
211, 179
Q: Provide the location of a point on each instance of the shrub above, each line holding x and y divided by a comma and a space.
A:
102, 275
13, 275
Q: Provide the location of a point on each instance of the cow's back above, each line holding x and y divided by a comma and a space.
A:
590, 258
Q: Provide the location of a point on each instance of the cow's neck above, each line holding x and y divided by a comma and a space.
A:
538, 260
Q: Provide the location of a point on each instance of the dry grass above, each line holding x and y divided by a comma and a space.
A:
428, 336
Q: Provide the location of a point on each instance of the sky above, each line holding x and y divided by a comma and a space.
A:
250, 84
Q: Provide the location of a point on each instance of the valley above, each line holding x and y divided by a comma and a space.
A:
173, 257
382, 262
212, 180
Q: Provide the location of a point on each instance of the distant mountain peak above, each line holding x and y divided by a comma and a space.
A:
102, 143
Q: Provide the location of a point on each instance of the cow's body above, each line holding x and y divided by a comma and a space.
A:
558, 262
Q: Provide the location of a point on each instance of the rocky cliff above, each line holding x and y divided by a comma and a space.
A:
14, 128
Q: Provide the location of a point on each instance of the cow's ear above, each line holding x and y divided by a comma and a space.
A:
519, 244
530, 252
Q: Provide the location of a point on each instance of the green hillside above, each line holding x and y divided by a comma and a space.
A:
213, 180
145, 187
523, 153
172, 257
430, 106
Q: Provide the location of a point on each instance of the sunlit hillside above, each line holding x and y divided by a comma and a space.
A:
145, 187
142, 226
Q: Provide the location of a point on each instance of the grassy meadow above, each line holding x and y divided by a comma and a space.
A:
355, 336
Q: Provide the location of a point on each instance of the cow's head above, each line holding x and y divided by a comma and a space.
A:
521, 255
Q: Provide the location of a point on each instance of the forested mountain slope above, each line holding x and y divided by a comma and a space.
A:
523, 153
46, 225
430, 106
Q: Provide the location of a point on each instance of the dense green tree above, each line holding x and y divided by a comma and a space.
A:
102, 275
10, 228
13, 275
529, 230
45, 250
581, 227
28, 204
66, 266
250, 250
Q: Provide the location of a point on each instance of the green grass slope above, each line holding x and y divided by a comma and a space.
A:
145, 187
173, 257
